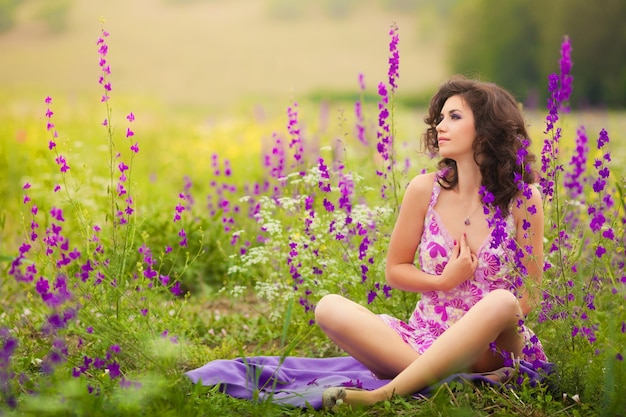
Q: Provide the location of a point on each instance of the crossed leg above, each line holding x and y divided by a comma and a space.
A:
364, 336
465, 345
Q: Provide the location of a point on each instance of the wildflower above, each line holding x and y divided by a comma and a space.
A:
294, 131
600, 250
394, 59
114, 370
566, 67
360, 122
487, 197
559, 88
330, 207
578, 162
387, 290
346, 186
603, 139
176, 290
60, 160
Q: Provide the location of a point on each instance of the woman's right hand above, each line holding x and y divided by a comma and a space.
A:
461, 265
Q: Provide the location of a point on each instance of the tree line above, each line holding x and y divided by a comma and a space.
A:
515, 43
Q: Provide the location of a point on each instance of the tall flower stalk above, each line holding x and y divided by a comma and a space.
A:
559, 89
122, 212
386, 133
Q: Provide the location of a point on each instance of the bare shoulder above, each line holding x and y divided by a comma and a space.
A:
422, 184
419, 190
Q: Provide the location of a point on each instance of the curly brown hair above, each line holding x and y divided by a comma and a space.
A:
500, 134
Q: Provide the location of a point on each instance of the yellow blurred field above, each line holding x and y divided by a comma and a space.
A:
217, 54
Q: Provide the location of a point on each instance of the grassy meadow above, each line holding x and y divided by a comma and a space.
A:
146, 234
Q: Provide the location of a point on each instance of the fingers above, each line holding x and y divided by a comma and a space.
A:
474, 262
456, 250
464, 247
464, 250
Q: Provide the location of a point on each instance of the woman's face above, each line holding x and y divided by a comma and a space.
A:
456, 130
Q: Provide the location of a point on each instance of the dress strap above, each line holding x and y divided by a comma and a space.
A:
436, 190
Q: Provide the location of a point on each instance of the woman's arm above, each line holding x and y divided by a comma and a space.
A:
401, 272
529, 222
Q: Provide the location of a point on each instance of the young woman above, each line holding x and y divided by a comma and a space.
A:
476, 270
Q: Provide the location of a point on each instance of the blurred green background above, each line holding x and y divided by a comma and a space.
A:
220, 54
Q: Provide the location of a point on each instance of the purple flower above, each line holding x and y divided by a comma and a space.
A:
330, 207
294, 131
394, 58
176, 289
487, 197
559, 88
360, 122
566, 67
114, 370
183, 238
608, 234
60, 160
600, 250
361, 81
603, 139
9, 344
578, 163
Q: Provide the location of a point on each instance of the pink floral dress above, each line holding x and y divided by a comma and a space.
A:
438, 310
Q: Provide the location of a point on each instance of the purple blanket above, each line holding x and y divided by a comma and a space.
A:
300, 382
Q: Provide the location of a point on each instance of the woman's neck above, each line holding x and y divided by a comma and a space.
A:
469, 179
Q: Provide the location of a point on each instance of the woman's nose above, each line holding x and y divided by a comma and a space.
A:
440, 126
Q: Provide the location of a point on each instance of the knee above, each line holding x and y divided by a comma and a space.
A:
504, 304
328, 310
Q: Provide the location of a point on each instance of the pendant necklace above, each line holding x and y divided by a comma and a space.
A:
467, 218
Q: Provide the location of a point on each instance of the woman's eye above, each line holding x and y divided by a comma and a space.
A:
455, 116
